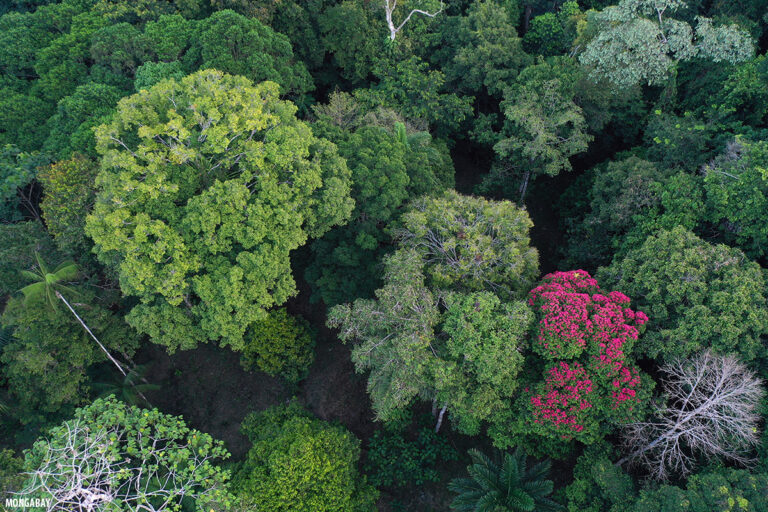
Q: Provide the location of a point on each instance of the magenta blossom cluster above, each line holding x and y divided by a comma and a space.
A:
579, 322
566, 396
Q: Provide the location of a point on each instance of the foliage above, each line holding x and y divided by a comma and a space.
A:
697, 295
584, 338
68, 196
618, 192
716, 489
130, 457
402, 459
489, 52
418, 92
301, 464
397, 327
281, 344
553, 33
244, 46
17, 171
543, 128
71, 127
18, 245
637, 42
468, 254
472, 244
736, 186
11, 467
46, 360
224, 149
388, 166
598, 485
505, 486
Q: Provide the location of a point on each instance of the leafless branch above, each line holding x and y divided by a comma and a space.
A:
710, 412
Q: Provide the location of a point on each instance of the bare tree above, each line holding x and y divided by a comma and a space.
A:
710, 412
83, 472
389, 9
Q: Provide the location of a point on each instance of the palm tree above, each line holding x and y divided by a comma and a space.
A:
506, 487
49, 285
130, 388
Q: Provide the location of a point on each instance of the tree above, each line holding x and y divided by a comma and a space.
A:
300, 464
508, 486
736, 186
281, 344
390, 164
115, 455
715, 489
543, 129
206, 185
68, 188
70, 129
698, 296
489, 53
710, 410
583, 342
18, 245
433, 326
48, 286
18, 171
553, 33
638, 42
598, 485
393, 335
472, 244
389, 9
244, 46
617, 193
412, 88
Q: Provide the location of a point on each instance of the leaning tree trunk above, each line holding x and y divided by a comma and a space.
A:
103, 348
440, 418
524, 185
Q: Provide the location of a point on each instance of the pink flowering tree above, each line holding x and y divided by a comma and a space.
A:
584, 337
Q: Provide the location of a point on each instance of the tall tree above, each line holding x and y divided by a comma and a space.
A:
112, 454
710, 410
637, 41
207, 184
543, 128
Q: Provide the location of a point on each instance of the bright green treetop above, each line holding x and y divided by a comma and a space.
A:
206, 186
300, 464
696, 295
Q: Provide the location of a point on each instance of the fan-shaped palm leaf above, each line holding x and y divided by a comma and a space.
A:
47, 282
506, 487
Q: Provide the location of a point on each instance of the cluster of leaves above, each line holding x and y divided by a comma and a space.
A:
301, 464
403, 459
697, 295
281, 344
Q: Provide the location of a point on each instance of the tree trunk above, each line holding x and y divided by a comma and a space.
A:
119, 366
440, 418
527, 17
524, 185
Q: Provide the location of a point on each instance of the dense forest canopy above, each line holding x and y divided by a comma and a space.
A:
349, 256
